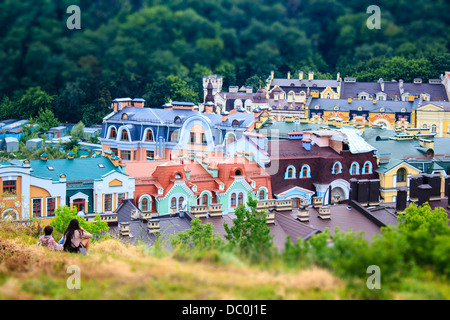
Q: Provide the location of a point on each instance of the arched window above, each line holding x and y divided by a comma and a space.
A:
354, 168
401, 175
205, 200
233, 200
328, 96
433, 128
177, 176
367, 169
290, 173
145, 204
124, 136
337, 168
174, 136
180, 202
235, 123
173, 203
262, 195
113, 133
177, 120
124, 116
306, 172
149, 135
240, 199
238, 173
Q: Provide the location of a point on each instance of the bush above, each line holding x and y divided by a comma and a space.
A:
64, 214
250, 235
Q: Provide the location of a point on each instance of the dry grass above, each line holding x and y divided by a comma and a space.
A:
114, 270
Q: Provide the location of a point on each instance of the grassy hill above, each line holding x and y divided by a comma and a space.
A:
114, 270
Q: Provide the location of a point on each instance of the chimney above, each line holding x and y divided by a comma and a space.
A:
353, 190
325, 213
300, 75
311, 75
381, 81
209, 107
303, 214
289, 75
349, 100
424, 193
402, 196
306, 143
249, 89
225, 115
233, 89
338, 76
363, 192
138, 102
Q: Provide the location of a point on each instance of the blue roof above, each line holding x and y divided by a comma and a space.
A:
75, 169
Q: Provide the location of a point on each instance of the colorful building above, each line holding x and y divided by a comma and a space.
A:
172, 186
135, 133
310, 163
91, 185
402, 156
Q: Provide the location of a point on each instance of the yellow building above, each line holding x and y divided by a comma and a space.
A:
394, 174
435, 116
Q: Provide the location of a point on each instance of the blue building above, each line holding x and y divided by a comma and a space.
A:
136, 133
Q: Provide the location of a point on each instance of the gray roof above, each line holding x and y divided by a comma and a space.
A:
367, 105
167, 116
315, 83
392, 89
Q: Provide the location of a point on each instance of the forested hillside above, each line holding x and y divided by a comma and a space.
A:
159, 50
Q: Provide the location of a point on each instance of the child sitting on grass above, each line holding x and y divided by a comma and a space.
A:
47, 239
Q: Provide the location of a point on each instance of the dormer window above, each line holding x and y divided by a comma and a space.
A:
124, 116
113, 133
177, 176
235, 123
177, 120
124, 136
149, 135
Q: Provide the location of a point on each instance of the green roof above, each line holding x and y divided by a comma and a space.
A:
75, 170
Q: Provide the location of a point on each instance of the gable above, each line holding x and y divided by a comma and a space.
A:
115, 183
430, 107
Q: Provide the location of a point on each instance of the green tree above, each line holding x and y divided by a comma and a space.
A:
46, 119
199, 236
63, 215
250, 234
78, 131
34, 100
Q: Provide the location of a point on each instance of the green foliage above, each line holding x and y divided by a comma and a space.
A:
78, 131
63, 215
45, 119
130, 48
250, 235
199, 236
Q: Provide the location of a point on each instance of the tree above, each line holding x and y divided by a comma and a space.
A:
32, 101
63, 215
199, 236
78, 131
250, 234
46, 119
